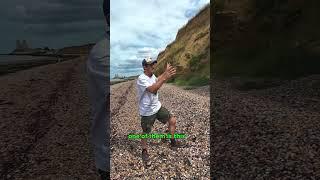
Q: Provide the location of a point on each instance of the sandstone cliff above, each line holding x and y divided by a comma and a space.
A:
190, 51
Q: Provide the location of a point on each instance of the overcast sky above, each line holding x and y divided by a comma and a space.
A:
141, 28
52, 23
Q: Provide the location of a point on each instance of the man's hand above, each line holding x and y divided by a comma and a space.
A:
169, 72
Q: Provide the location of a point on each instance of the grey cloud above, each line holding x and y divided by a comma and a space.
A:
125, 46
58, 29
143, 51
55, 11
152, 35
131, 70
130, 64
195, 2
77, 21
149, 38
190, 13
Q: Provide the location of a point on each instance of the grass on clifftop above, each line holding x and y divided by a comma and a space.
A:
198, 73
190, 80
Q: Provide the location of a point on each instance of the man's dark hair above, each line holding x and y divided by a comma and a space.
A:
106, 10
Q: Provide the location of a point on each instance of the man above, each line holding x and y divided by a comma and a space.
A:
98, 82
150, 107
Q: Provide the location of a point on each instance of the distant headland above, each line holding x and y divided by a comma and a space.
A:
23, 48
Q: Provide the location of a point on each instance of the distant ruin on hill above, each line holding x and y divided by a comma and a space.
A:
22, 45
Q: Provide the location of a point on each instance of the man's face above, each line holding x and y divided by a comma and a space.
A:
150, 68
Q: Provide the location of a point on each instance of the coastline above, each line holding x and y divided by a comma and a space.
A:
7, 67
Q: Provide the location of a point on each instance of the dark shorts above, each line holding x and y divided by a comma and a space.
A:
163, 115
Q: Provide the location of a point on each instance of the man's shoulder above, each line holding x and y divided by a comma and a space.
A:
142, 80
142, 77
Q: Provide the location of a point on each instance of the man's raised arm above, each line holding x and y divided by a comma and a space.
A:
166, 75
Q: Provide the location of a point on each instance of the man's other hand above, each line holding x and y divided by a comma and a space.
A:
170, 71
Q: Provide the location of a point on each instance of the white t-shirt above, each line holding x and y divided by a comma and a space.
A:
149, 103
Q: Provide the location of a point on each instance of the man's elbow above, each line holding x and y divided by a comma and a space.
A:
152, 90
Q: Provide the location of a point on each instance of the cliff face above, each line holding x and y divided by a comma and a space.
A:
278, 38
190, 50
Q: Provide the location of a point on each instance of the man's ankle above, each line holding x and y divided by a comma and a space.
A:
172, 141
144, 150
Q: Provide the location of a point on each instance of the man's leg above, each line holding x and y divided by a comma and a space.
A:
172, 126
144, 144
165, 116
145, 155
146, 124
